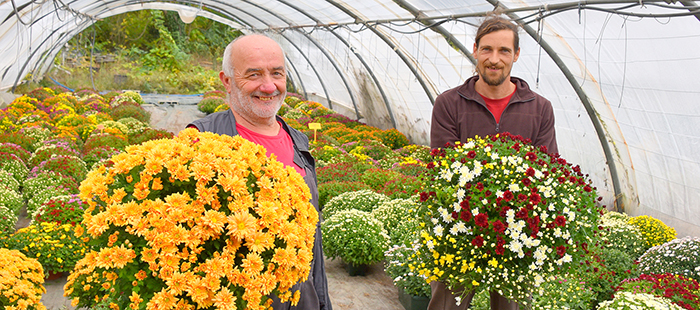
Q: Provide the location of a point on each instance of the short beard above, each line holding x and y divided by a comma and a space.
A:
491, 82
244, 104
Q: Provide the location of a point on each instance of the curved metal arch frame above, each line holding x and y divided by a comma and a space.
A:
421, 79
439, 29
362, 60
228, 13
322, 49
588, 105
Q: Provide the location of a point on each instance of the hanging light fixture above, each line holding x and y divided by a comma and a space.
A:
187, 14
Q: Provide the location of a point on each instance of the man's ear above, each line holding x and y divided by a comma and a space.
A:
226, 80
517, 54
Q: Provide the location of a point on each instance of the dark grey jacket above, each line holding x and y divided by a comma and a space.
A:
314, 291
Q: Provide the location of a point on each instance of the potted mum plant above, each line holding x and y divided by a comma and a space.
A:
21, 281
501, 215
55, 246
414, 291
205, 219
356, 237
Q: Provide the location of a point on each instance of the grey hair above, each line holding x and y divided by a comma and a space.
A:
227, 63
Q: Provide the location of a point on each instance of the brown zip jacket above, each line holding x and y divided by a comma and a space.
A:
460, 113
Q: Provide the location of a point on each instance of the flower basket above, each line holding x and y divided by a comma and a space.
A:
197, 221
412, 302
501, 215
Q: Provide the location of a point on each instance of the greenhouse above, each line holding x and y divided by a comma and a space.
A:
617, 73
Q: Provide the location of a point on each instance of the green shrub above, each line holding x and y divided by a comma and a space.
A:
11, 199
65, 209
45, 152
44, 195
214, 93
337, 172
328, 190
67, 165
133, 126
38, 135
100, 140
15, 149
678, 256
604, 269
14, 165
41, 93
150, 134
41, 180
409, 169
618, 233
391, 183
355, 236
393, 138
8, 181
399, 219
363, 200
21, 139
397, 260
98, 154
208, 104
130, 109
8, 221
326, 152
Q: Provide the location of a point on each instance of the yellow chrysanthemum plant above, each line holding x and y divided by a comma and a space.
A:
21, 281
198, 221
499, 214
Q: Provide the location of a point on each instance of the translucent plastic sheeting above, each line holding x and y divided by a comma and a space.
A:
622, 86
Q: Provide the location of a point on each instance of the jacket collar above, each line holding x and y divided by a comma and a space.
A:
522, 90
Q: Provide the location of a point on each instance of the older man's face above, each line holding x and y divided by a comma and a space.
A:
259, 84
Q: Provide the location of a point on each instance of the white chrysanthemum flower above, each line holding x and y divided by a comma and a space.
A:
538, 280
515, 246
456, 207
434, 221
430, 244
460, 227
461, 193
539, 174
514, 188
438, 230
540, 254
557, 232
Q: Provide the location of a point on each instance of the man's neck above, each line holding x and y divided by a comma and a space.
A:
494, 92
268, 127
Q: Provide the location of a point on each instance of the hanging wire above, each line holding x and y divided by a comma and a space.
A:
540, 31
624, 64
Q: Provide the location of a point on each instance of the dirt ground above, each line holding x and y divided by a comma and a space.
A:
374, 291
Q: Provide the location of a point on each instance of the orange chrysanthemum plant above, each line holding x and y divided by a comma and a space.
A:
197, 221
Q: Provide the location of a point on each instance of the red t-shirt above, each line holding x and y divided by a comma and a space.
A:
281, 145
496, 106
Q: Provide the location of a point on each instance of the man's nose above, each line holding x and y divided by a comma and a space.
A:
268, 85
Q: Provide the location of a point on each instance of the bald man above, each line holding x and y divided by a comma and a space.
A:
255, 79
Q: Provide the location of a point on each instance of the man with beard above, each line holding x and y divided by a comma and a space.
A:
255, 79
489, 103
